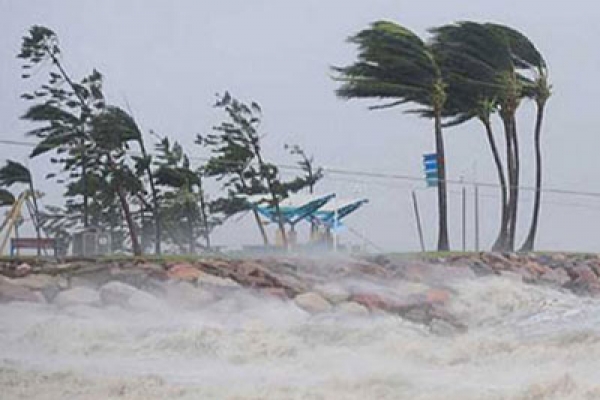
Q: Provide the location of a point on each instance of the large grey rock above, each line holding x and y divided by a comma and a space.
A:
126, 296
312, 302
49, 286
555, 277
116, 293
187, 295
14, 292
333, 292
352, 308
209, 280
36, 281
77, 296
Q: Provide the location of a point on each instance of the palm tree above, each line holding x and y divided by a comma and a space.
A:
395, 64
493, 58
536, 86
115, 119
16, 173
541, 93
471, 58
110, 151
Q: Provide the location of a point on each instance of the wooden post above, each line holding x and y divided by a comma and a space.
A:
418, 220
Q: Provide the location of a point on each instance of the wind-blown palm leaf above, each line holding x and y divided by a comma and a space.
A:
393, 63
525, 54
115, 127
6, 198
47, 112
14, 173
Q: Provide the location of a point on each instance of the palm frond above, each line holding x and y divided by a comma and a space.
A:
14, 173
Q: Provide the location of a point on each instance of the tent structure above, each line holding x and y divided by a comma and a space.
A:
331, 215
293, 209
319, 209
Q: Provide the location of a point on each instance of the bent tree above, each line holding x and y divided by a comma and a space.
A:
394, 64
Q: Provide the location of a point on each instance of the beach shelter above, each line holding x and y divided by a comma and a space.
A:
293, 209
331, 214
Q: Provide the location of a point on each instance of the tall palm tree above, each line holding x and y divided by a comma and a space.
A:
395, 64
496, 59
472, 58
541, 93
16, 173
536, 86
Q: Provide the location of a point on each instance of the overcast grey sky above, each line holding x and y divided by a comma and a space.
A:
168, 59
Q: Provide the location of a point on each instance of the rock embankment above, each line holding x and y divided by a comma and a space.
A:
415, 289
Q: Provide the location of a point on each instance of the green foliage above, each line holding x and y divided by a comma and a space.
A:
14, 173
312, 174
6, 198
392, 63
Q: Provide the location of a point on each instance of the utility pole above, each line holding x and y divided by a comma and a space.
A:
464, 217
476, 205
418, 221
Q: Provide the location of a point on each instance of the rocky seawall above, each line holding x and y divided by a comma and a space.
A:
417, 289
464, 327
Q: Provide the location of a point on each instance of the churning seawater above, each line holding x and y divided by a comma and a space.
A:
523, 342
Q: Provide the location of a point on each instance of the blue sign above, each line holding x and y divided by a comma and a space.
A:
430, 163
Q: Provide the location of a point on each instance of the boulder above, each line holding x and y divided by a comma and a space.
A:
116, 293
36, 281
437, 296
23, 269
582, 272
126, 296
280, 293
184, 272
482, 269
14, 292
352, 308
333, 292
185, 294
154, 271
77, 296
312, 302
555, 277
78, 281
209, 280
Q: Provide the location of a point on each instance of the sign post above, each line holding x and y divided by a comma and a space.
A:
430, 166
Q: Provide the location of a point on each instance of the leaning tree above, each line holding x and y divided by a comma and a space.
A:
394, 64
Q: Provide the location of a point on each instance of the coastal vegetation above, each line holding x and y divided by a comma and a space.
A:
151, 196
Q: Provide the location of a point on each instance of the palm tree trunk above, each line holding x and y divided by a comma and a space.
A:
204, 216
261, 228
271, 188
501, 240
135, 244
191, 236
36, 211
443, 244
86, 217
155, 205
510, 162
529, 243
515, 187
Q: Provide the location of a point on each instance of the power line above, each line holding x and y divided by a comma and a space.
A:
365, 174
